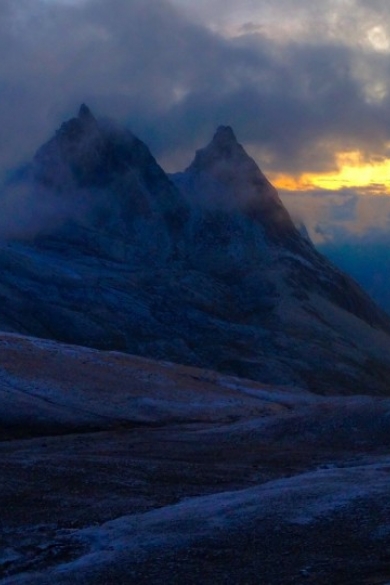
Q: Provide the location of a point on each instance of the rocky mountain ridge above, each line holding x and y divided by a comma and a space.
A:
203, 268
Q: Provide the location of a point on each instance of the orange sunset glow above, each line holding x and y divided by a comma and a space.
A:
353, 171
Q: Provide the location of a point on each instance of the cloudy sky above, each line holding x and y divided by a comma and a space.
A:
305, 85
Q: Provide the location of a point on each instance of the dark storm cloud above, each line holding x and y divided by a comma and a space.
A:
173, 81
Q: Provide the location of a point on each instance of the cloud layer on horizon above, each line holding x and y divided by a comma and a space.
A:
173, 75
352, 228
340, 217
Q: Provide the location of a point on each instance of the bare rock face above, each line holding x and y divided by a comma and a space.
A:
204, 268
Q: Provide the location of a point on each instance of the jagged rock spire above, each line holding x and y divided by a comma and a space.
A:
223, 146
85, 113
224, 136
224, 176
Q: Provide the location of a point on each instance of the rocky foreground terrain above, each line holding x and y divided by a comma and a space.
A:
119, 469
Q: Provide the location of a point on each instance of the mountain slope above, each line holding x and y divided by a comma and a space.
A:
204, 268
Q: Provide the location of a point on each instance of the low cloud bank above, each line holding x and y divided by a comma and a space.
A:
174, 77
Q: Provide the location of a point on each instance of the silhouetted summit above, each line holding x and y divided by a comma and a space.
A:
224, 136
223, 176
85, 113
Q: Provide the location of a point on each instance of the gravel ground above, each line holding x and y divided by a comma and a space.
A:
184, 477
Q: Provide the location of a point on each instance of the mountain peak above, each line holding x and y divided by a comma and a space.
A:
223, 176
224, 136
223, 147
85, 113
224, 144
